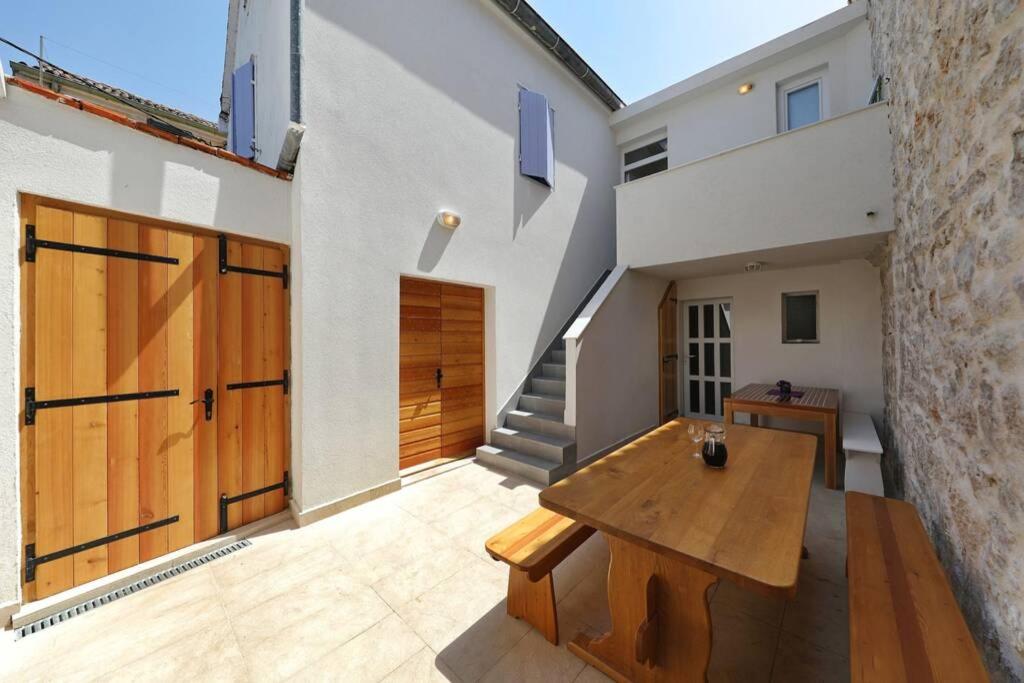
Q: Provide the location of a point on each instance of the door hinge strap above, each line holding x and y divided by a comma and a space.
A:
226, 268
225, 500
32, 245
284, 383
32, 405
31, 561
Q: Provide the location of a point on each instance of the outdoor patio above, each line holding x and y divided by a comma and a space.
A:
401, 589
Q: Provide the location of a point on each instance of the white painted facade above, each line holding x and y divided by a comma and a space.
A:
404, 118
411, 108
53, 150
848, 356
704, 114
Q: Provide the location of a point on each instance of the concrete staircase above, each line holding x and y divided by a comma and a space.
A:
535, 443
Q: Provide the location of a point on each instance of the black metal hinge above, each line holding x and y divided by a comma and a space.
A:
32, 245
32, 405
225, 500
31, 561
225, 267
284, 383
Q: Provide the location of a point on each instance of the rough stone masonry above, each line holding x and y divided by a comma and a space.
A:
953, 297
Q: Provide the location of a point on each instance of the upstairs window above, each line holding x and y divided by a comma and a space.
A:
536, 137
803, 105
645, 160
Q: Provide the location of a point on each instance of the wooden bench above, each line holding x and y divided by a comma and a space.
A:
532, 548
863, 454
905, 624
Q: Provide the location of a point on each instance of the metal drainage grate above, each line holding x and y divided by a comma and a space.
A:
82, 608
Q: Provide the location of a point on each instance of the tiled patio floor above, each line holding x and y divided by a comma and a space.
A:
401, 589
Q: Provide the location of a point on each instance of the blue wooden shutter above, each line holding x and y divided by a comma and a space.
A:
243, 110
536, 138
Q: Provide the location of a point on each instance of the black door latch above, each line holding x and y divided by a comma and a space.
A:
206, 400
439, 375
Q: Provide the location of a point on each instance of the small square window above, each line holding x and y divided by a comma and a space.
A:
800, 318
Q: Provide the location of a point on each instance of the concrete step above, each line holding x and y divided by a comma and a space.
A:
556, 449
543, 403
530, 467
549, 386
553, 370
539, 423
558, 355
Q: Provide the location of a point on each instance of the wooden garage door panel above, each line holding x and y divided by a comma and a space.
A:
409, 285
105, 325
53, 428
122, 378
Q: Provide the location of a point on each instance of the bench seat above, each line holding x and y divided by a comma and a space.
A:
533, 547
863, 453
905, 624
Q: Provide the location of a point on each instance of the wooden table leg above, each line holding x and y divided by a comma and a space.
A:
534, 602
661, 619
830, 451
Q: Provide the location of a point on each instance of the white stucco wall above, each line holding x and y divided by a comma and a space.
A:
711, 116
813, 184
50, 149
849, 356
263, 33
616, 372
410, 117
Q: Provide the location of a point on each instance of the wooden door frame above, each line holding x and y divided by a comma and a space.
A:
670, 289
28, 204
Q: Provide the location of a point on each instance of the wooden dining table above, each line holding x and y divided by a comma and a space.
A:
815, 404
674, 527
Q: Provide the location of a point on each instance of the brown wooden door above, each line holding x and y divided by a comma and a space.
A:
668, 356
102, 326
441, 371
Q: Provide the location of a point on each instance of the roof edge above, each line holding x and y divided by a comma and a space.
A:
837, 22
121, 119
535, 25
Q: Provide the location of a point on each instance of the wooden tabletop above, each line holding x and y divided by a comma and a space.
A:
814, 398
744, 523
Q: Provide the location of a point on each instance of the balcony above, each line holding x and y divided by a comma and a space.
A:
823, 192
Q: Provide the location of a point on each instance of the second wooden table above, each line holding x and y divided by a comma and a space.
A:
674, 527
815, 404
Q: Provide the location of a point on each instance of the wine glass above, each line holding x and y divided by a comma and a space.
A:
696, 436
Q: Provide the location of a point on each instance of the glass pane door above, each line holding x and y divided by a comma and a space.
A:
707, 357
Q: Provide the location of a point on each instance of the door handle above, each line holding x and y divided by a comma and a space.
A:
207, 401
439, 376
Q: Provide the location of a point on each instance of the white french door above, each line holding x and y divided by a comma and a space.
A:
707, 356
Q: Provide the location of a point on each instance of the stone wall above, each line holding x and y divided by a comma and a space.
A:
953, 297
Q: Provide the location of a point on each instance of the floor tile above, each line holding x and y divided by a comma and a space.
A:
799, 661
754, 605
209, 655
464, 620
465, 527
820, 614
423, 667
591, 675
742, 646
414, 578
534, 660
368, 657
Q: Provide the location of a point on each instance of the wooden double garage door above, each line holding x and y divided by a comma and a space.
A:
441, 372
154, 377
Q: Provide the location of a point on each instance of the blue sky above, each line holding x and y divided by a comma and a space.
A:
173, 52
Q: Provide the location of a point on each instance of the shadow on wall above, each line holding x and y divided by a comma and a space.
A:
528, 196
437, 241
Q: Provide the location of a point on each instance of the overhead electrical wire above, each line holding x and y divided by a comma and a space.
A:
82, 80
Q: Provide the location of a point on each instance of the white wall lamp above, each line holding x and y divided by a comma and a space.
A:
449, 219
745, 88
